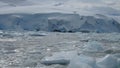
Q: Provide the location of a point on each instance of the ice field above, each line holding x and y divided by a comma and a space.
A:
59, 50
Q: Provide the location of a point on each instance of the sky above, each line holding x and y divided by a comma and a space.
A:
110, 7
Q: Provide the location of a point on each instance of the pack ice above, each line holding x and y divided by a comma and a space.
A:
75, 60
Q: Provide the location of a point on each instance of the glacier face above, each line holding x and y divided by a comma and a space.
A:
59, 22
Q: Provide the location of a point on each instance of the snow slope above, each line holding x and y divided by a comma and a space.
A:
60, 22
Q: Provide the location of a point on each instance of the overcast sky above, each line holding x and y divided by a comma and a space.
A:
94, 6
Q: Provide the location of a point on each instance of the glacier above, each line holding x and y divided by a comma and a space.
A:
59, 22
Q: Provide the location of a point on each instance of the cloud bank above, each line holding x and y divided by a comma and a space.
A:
110, 7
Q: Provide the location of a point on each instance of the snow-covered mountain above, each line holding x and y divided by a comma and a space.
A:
59, 22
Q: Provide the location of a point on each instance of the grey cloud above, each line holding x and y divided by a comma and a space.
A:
90, 1
15, 2
97, 6
12, 1
106, 10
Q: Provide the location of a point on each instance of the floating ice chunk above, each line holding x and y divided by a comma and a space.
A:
38, 34
108, 51
8, 40
82, 61
29, 63
60, 61
117, 55
79, 65
118, 64
108, 61
94, 46
59, 58
1, 32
